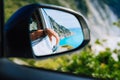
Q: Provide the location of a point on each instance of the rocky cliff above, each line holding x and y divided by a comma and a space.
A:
60, 29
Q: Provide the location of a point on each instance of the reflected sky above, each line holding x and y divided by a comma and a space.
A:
63, 18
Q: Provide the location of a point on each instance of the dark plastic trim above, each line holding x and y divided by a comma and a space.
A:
12, 71
1, 27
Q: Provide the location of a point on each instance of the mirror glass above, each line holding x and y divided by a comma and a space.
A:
54, 31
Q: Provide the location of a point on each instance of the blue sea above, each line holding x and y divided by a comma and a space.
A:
75, 39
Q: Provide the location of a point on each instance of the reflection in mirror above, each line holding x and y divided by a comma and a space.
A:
60, 31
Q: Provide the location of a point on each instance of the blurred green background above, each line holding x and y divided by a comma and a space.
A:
86, 62
12, 5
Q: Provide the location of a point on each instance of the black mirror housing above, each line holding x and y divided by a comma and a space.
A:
17, 40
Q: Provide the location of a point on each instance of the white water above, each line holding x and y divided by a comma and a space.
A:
101, 26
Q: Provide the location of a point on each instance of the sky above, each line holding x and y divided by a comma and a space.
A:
63, 18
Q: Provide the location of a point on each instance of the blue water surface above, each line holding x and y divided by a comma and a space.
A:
74, 40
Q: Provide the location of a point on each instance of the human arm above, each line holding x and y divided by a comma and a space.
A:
51, 33
36, 34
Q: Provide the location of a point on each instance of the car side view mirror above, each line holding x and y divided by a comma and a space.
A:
40, 30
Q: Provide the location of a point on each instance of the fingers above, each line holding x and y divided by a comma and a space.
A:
51, 33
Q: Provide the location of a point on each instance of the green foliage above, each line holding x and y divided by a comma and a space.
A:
114, 5
98, 42
78, 62
102, 65
85, 62
82, 6
117, 23
67, 46
13, 5
118, 43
